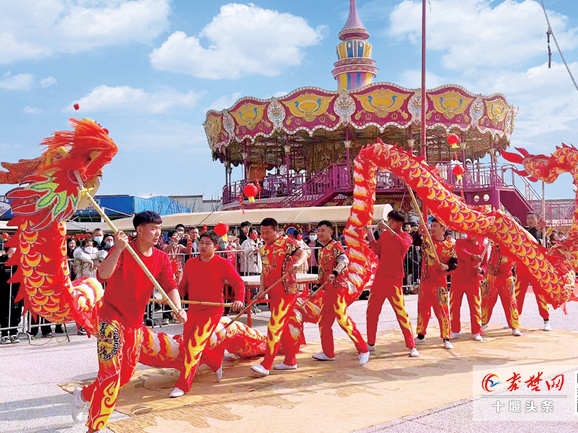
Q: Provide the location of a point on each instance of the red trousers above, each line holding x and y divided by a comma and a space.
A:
198, 329
118, 353
335, 307
392, 290
472, 291
522, 283
433, 293
281, 305
504, 288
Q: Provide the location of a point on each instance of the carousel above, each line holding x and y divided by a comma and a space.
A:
298, 150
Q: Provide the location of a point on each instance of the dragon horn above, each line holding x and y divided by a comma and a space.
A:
522, 151
512, 157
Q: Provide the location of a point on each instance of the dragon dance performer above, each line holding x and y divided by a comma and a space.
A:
500, 282
333, 263
391, 249
276, 253
119, 333
204, 277
523, 277
434, 287
466, 281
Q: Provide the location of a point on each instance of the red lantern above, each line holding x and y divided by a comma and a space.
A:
458, 170
221, 229
250, 192
453, 140
5, 236
76, 106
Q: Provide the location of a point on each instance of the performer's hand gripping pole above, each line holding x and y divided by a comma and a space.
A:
421, 218
132, 252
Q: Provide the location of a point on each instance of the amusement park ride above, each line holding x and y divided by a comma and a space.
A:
307, 140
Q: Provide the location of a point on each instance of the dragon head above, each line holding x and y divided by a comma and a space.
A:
51, 186
542, 167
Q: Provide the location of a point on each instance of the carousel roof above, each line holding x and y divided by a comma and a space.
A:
311, 115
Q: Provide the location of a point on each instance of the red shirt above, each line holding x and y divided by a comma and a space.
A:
465, 272
500, 266
204, 281
445, 252
128, 289
272, 256
391, 251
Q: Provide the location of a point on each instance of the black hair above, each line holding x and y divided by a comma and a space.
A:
269, 222
397, 216
253, 229
179, 225
146, 217
327, 223
211, 235
96, 230
245, 224
171, 233
84, 242
434, 220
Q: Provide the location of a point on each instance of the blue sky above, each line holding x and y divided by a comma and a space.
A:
148, 70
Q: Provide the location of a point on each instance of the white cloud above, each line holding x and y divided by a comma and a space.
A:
224, 102
242, 40
411, 79
49, 81
31, 110
280, 94
173, 136
126, 99
17, 82
547, 98
33, 29
474, 33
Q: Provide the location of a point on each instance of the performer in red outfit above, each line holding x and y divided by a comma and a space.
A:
276, 250
204, 280
127, 293
333, 264
434, 287
523, 280
466, 281
500, 282
391, 249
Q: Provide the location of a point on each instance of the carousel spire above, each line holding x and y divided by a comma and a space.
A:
355, 67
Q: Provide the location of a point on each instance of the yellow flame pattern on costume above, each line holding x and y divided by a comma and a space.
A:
195, 346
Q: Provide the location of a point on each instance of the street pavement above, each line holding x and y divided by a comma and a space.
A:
32, 401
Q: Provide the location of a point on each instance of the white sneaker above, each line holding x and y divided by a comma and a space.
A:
413, 353
322, 357
219, 374
260, 370
484, 327
547, 326
5, 340
176, 393
78, 405
284, 366
448, 345
14, 339
516, 332
455, 335
371, 348
363, 358
419, 340
478, 337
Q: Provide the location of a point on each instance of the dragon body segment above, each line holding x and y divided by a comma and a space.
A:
551, 275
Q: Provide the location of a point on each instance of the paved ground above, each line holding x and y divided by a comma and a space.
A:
31, 401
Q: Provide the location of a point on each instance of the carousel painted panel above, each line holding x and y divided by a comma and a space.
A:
310, 109
382, 105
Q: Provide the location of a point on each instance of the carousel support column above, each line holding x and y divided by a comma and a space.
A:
227, 180
423, 96
494, 192
287, 148
347, 144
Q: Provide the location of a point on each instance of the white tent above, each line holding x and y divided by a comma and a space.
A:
298, 215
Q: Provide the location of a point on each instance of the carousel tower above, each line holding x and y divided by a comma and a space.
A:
355, 67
